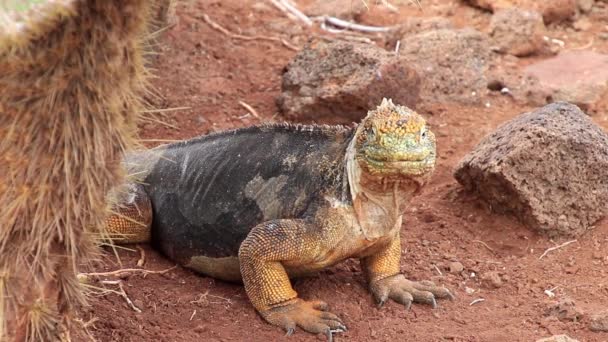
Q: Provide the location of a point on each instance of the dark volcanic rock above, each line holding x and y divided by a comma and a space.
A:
552, 11
415, 25
451, 63
517, 32
548, 167
339, 82
599, 321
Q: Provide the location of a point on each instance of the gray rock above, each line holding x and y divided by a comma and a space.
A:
585, 5
557, 338
339, 82
547, 167
415, 25
517, 32
599, 321
565, 310
456, 267
552, 11
491, 280
451, 63
580, 77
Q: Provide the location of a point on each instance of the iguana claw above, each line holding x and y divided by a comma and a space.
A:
310, 316
404, 291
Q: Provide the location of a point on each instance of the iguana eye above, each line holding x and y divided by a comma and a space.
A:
423, 134
371, 130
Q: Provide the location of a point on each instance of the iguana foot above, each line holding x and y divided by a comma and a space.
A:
404, 291
311, 316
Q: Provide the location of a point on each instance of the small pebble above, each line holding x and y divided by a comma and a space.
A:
492, 279
456, 267
599, 322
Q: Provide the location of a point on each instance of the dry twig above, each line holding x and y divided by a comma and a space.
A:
142, 258
124, 271
249, 109
478, 300
438, 270
203, 298
485, 245
347, 25
225, 31
557, 247
121, 293
292, 10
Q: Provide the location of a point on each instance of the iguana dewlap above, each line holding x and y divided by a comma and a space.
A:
266, 203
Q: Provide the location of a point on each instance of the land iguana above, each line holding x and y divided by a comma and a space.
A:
266, 203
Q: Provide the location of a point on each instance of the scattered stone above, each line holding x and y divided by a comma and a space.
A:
451, 63
415, 25
585, 5
517, 32
599, 321
343, 9
583, 24
565, 310
491, 280
540, 166
338, 82
557, 338
552, 11
580, 77
456, 267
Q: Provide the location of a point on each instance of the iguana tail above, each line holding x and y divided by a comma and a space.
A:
131, 217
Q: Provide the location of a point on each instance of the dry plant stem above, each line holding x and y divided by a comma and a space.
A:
122, 293
347, 25
142, 258
225, 31
347, 39
485, 245
125, 271
478, 300
249, 109
290, 9
557, 247
165, 110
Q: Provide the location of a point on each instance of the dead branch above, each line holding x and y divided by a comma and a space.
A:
292, 10
142, 258
123, 272
478, 300
121, 293
225, 31
556, 247
249, 109
485, 245
347, 25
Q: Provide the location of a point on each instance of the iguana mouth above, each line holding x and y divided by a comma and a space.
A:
405, 167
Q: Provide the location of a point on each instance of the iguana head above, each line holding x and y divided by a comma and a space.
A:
394, 142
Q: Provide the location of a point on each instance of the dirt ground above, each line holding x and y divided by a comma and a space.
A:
210, 73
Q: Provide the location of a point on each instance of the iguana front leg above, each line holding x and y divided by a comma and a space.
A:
386, 281
263, 256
